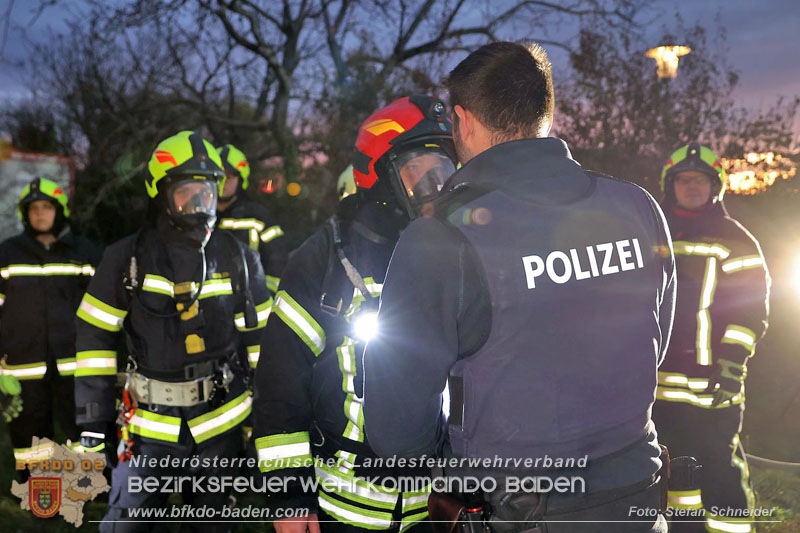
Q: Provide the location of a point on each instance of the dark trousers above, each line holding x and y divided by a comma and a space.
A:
633, 509
121, 500
712, 437
45, 401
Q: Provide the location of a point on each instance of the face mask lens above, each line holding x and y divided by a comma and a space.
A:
423, 173
191, 197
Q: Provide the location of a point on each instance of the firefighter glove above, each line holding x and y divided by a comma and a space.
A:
729, 376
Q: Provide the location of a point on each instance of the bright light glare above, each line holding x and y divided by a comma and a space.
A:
794, 274
365, 325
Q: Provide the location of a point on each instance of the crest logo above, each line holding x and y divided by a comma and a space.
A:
45, 496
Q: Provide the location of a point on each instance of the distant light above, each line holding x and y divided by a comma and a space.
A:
667, 59
365, 325
293, 189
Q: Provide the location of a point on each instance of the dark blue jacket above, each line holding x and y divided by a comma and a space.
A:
545, 295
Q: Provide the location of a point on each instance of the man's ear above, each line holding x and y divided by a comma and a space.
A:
466, 122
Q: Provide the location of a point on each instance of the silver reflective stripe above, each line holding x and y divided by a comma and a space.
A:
742, 263
46, 270
350, 513
222, 420
262, 316
703, 316
284, 451
253, 353
26, 371
739, 335
245, 223
352, 486
728, 527
158, 284
272, 233
155, 426
70, 366
102, 316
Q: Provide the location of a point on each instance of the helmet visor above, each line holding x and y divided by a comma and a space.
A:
193, 197
422, 174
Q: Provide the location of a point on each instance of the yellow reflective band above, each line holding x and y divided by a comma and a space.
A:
66, 366
415, 500
673, 379
158, 284
48, 269
26, 371
241, 223
284, 450
253, 353
101, 314
222, 419
39, 452
739, 335
725, 524
685, 499
701, 248
300, 321
350, 514
216, 287
272, 283
271, 233
2, 299
96, 363
262, 313
353, 406
703, 316
411, 520
742, 263
355, 489
154, 426
700, 400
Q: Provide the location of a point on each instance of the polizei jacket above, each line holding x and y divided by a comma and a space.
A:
308, 382
40, 290
118, 324
722, 304
542, 296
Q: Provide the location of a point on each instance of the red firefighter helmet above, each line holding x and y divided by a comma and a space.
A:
404, 152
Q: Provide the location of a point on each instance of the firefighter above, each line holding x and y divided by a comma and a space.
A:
44, 272
250, 221
179, 297
308, 383
539, 296
722, 306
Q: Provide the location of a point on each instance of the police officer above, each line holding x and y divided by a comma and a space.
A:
249, 220
723, 292
181, 297
308, 383
541, 295
44, 271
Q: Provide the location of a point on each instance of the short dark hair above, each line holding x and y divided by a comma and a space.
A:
507, 86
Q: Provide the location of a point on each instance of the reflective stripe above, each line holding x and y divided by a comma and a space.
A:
48, 269
351, 514
700, 400
26, 371
283, 451
35, 453
408, 521
100, 314
216, 287
222, 419
739, 335
241, 223
155, 426
685, 499
297, 318
744, 475
355, 489
273, 232
674, 379
353, 406
701, 248
262, 313
728, 525
96, 363
272, 283
374, 289
703, 316
2, 299
66, 366
742, 263
158, 284
253, 353
93, 435
211, 287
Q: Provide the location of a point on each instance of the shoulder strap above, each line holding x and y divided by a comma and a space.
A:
241, 282
332, 285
